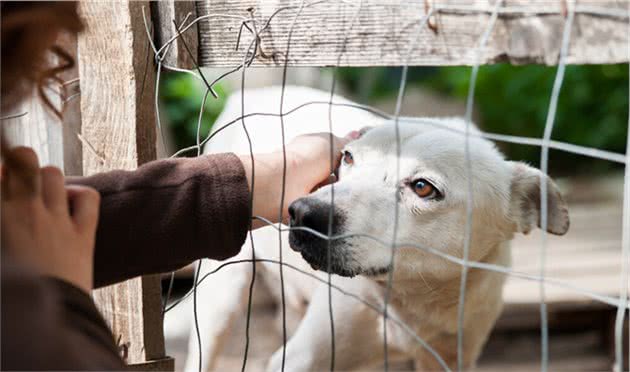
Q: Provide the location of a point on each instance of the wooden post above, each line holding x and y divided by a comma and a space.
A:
164, 12
117, 78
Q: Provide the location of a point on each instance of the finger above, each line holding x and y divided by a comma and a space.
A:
341, 142
84, 206
54, 190
332, 178
355, 134
22, 178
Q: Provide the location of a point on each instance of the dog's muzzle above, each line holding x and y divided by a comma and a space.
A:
308, 217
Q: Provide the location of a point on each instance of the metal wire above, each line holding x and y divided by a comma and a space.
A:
612, 301
14, 116
529, 141
469, 183
625, 256
545, 143
331, 216
283, 191
331, 213
542, 10
250, 294
372, 306
399, 99
544, 161
159, 58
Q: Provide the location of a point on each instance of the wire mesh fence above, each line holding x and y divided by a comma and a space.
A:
255, 29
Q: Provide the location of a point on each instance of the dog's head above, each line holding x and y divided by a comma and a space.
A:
423, 197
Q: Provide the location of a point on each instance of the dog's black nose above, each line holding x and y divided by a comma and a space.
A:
310, 213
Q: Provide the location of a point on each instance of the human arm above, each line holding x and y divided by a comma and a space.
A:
168, 213
157, 218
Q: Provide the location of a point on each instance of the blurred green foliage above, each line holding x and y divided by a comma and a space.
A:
592, 108
181, 96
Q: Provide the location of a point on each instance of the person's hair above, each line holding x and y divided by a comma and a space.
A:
29, 33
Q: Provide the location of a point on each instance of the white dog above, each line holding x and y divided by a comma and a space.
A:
430, 186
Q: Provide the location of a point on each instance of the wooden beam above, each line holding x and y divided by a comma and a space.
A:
527, 31
117, 78
164, 12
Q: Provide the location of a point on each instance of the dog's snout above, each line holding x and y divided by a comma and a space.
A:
310, 213
314, 214
293, 214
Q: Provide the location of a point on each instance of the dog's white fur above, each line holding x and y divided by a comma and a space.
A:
425, 287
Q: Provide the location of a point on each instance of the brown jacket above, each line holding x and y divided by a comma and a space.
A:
158, 218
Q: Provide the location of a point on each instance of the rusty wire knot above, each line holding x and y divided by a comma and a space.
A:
431, 23
259, 50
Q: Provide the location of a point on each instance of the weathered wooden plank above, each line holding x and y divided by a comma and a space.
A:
164, 13
526, 32
39, 129
71, 106
117, 80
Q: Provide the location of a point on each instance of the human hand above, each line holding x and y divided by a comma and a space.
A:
46, 225
311, 164
308, 165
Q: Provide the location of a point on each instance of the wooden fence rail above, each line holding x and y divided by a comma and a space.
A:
527, 31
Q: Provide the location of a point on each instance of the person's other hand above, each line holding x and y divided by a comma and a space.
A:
46, 225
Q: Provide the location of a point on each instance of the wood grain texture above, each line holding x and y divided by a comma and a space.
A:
525, 33
39, 129
164, 12
117, 84
72, 146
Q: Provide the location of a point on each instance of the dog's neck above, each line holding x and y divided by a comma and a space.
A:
408, 283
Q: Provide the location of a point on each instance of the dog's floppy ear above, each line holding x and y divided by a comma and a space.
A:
525, 201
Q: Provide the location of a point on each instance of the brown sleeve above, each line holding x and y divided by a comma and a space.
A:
168, 213
48, 324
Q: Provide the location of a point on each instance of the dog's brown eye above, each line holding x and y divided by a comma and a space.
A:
347, 158
423, 188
